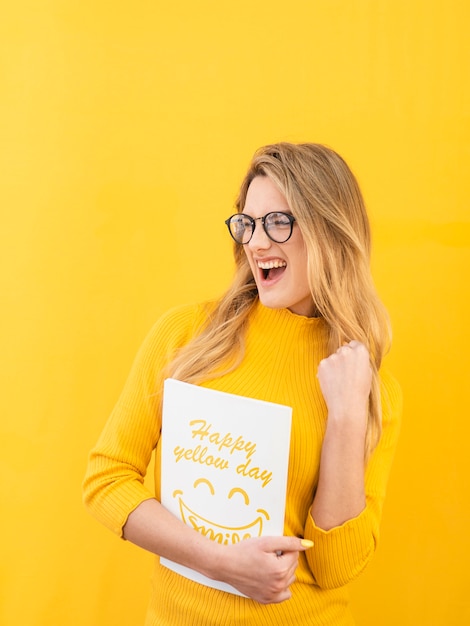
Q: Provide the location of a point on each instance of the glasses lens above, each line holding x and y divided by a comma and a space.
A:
279, 226
241, 228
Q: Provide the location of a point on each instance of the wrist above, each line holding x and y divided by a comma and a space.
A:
215, 560
350, 422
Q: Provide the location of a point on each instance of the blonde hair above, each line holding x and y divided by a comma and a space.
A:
327, 203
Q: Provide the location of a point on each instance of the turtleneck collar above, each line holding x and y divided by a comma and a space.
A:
286, 322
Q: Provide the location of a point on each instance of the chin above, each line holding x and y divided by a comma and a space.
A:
271, 303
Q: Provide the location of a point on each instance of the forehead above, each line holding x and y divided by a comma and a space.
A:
263, 196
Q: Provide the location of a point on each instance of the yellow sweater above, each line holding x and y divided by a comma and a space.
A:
282, 355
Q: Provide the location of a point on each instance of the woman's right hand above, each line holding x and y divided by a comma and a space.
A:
262, 568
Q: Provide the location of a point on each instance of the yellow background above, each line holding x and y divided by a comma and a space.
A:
125, 130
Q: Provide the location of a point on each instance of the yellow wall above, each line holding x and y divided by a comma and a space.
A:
125, 129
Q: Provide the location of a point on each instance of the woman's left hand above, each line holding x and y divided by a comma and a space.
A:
345, 380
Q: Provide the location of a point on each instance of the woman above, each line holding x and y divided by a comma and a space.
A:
302, 326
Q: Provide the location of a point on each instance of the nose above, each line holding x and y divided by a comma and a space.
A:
259, 239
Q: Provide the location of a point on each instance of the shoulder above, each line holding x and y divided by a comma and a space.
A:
178, 325
171, 331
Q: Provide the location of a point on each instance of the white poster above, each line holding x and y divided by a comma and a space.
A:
224, 465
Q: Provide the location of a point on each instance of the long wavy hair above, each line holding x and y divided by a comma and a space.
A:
326, 201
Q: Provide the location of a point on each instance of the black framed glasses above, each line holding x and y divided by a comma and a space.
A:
277, 225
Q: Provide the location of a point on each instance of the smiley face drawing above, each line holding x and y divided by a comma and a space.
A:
216, 531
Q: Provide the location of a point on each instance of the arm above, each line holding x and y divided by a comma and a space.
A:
345, 515
255, 566
114, 491
345, 379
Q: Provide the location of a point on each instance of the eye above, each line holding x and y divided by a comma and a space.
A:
204, 481
242, 492
243, 222
278, 220
239, 225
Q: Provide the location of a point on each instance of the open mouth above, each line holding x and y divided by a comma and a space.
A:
271, 270
219, 533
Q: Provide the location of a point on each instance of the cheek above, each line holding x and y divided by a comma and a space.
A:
249, 259
300, 265
301, 282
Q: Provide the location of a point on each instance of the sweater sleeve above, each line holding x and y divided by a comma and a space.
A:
114, 481
341, 553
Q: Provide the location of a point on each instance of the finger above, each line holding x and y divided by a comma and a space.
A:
354, 343
297, 545
280, 545
358, 345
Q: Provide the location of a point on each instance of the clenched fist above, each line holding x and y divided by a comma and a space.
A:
345, 380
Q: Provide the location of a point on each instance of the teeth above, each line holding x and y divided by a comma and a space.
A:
269, 265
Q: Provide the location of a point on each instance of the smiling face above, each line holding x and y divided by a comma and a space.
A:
279, 269
215, 530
